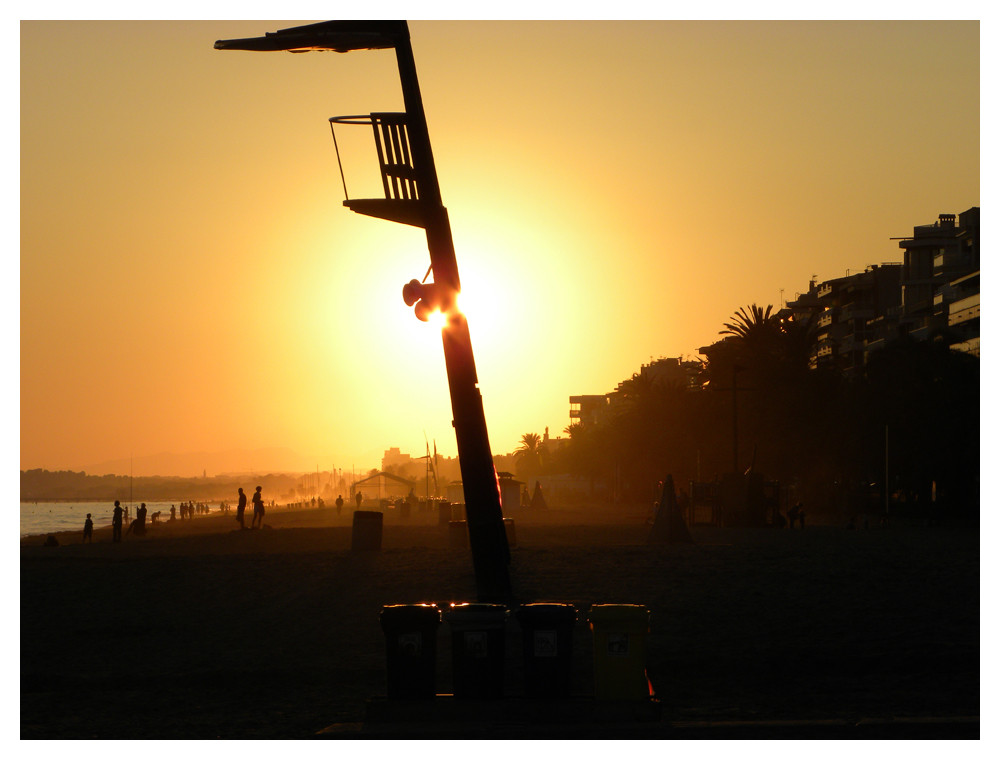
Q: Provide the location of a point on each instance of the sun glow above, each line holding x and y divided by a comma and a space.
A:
437, 319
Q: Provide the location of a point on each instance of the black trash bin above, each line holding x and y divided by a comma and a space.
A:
366, 532
458, 534
478, 633
410, 649
547, 637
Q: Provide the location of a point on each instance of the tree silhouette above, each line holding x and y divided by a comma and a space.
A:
753, 324
529, 456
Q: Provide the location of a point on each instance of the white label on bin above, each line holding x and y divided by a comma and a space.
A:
410, 644
618, 644
546, 644
475, 643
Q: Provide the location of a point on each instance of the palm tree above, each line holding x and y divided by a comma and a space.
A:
529, 455
530, 448
758, 325
761, 338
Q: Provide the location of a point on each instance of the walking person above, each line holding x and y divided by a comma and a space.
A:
88, 530
258, 509
240, 509
116, 523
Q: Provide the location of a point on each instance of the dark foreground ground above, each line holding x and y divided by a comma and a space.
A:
204, 632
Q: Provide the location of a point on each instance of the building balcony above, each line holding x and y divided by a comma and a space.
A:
964, 310
857, 312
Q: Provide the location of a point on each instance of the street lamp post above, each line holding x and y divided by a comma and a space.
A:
423, 207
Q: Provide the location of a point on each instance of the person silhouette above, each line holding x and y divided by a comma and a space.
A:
88, 530
140, 520
173, 513
258, 509
340, 503
116, 522
357, 499
240, 508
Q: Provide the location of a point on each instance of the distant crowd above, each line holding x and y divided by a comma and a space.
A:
121, 515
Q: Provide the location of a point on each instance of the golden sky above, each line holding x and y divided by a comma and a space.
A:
190, 281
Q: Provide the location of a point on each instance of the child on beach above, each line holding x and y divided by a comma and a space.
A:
88, 530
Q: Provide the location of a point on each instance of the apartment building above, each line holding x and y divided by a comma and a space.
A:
665, 371
932, 294
842, 312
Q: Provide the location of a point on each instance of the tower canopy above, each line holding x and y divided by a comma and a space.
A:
341, 36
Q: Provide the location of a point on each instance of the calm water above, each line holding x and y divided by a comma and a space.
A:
38, 518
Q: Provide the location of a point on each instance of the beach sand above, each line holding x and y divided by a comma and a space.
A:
199, 630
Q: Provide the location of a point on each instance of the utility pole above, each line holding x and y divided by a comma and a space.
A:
414, 197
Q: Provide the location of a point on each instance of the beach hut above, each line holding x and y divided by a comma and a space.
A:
383, 485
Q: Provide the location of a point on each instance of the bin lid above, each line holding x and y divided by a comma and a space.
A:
476, 613
618, 613
546, 613
406, 615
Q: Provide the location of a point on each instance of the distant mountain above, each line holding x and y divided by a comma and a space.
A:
193, 465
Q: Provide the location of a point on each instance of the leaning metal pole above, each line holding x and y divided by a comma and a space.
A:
487, 537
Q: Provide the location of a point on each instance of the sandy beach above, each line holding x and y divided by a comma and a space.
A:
199, 630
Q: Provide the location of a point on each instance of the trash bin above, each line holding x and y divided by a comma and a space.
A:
547, 638
508, 526
620, 651
366, 532
410, 649
477, 649
458, 534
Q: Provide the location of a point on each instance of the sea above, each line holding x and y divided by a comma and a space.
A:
41, 517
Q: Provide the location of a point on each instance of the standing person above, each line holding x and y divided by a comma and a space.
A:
88, 530
240, 508
258, 508
116, 522
357, 499
173, 513
140, 520
340, 503
793, 515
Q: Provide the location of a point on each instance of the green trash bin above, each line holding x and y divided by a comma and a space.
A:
410, 649
619, 632
547, 639
478, 641
366, 531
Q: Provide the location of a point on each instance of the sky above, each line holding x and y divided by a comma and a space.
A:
191, 282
